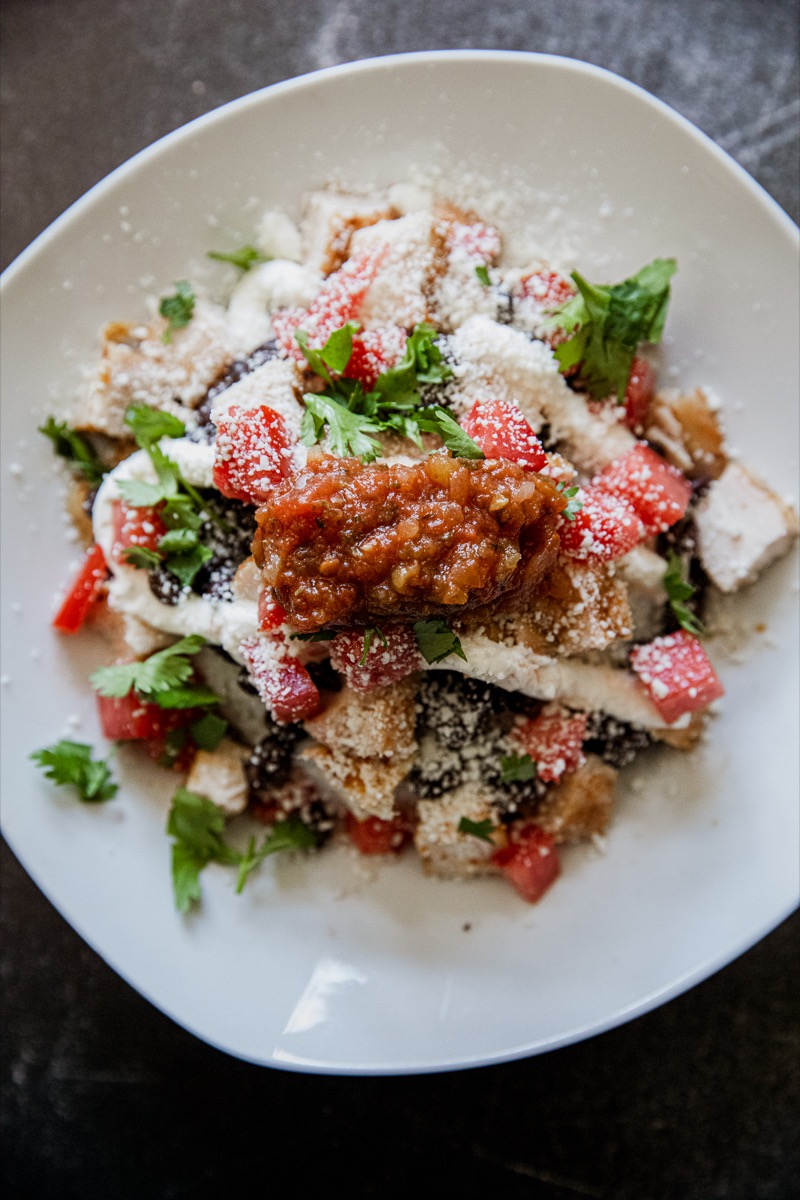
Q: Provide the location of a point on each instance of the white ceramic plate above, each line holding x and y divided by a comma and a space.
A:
314, 967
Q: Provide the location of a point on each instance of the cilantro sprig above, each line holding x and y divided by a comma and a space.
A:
163, 678
482, 273
517, 768
574, 505
245, 258
196, 826
436, 640
70, 764
679, 590
352, 416
177, 309
370, 633
478, 829
181, 507
607, 323
76, 448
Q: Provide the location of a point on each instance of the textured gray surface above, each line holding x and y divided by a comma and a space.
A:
100, 1092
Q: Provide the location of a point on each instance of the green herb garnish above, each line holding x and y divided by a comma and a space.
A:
208, 731
478, 829
483, 275
76, 449
244, 258
70, 764
370, 633
178, 309
679, 590
291, 834
517, 768
196, 826
458, 442
436, 640
574, 506
159, 677
606, 325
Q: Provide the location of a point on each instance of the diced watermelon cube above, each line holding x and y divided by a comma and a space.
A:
529, 862
337, 302
639, 394
252, 452
281, 680
677, 674
501, 431
475, 239
657, 492
270, 613
84, 592
131, 526
546, 288
554, 740
605, 527
374, 836
375, 351
131, 719
383, 664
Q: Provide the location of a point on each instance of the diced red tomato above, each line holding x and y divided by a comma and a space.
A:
251, 453
554, 740
131, 719
384, 664
337, 302
281, 680
501, 431
657, 492
475, 239
677, 674
639, 394
270, 613
83, 593
529, 862
375, 351
132, 526
374, 836
605, 527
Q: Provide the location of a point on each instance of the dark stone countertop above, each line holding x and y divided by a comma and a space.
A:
101, 1094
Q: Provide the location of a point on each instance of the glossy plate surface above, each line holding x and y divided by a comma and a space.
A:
321, 966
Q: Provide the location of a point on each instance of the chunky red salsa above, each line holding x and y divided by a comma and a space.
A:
344, 543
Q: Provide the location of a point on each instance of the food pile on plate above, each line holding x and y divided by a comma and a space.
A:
403, 546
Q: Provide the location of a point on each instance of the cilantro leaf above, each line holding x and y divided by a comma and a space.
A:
517, 768
178, 309
678, 591
370, 633
478, 829
76, 449
574, 506
244, 258
149, 425
139, 493
483, 275
196, 826
71, 764
457, 440
185, 567
194, 696
290, 834
161, 672
338, 349
607, 323
208, 731
349, 431
322, 635
140, 556
436, 640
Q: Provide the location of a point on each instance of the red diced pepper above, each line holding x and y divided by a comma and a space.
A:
374, 836
281, 680
84, 592
639, 394
132, 526
131, 719
270, 614
375, 351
